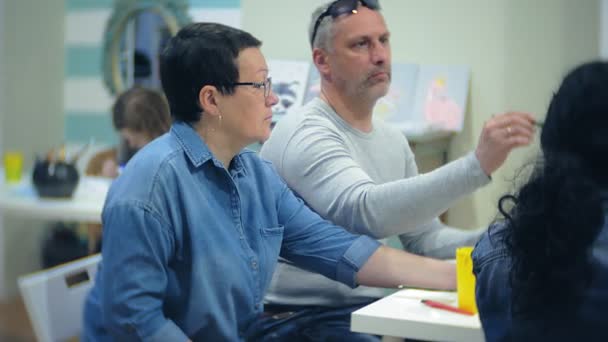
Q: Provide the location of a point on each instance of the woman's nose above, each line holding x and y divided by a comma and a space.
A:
272, 99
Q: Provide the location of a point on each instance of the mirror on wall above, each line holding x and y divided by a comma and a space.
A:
135, 36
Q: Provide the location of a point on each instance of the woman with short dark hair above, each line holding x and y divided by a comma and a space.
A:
194, 225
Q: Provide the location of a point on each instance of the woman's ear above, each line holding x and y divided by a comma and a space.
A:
207, 98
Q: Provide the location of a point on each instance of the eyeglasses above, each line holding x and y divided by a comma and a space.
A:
267, 85
340, 7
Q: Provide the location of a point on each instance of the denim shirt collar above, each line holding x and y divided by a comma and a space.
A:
197, 150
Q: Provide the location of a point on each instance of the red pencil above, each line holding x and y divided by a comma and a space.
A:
443, 306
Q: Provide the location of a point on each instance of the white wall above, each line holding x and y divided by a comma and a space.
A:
2, 79
31, 114
517, 51
34, 73
604, 29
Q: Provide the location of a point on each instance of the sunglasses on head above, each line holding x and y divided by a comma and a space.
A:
340, 7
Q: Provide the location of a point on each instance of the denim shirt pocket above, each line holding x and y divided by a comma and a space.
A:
273, 231
272, 240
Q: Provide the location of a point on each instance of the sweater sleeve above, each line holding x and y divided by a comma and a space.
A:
318, 165
437, 240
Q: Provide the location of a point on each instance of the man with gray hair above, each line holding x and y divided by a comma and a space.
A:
361, 173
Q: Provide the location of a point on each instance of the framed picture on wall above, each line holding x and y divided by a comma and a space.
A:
422, 100
289, 79
396, 106
441, 96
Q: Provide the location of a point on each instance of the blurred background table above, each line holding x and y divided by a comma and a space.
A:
85, 205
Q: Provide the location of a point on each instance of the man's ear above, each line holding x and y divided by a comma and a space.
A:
321, 59
207, 98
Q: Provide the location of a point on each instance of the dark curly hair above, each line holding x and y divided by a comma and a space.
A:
557, 215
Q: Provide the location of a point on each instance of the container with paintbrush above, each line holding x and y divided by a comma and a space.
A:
56, 175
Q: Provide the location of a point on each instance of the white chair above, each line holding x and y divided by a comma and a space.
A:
54, 298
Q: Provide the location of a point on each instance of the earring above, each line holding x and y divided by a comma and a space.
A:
211, 129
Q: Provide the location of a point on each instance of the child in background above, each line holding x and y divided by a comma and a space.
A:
139, 115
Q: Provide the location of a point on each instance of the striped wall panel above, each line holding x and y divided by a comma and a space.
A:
87, 104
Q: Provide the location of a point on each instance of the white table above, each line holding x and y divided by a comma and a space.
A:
85, 205
403, 315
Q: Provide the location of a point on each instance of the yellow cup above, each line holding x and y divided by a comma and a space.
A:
13, 166
465, 279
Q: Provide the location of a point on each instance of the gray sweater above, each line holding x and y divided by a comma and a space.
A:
369, 184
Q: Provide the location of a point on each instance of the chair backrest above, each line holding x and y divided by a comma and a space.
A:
54, 298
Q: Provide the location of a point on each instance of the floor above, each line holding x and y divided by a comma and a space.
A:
14, 322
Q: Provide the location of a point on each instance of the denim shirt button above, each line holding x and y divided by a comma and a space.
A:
254, 265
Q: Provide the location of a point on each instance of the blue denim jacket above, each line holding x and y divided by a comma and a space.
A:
189, 247
491, 265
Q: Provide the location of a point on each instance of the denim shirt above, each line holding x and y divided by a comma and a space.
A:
491, 265
189, 247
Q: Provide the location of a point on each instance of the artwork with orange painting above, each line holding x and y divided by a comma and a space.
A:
441, 96
440, 109
396, 105
422, 100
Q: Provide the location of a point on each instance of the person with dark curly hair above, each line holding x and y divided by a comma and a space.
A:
542, 272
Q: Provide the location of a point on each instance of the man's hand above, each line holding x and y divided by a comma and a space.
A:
501, 134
